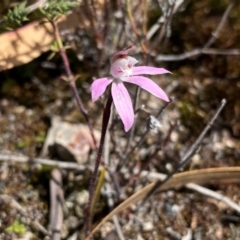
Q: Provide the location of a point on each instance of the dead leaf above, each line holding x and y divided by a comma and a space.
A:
210, 175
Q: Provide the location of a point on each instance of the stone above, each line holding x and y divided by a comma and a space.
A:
68, 141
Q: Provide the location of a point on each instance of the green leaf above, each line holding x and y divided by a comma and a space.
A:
16, 17
41, 137
16, 227
56, 8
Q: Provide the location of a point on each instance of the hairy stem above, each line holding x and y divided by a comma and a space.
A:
71, 79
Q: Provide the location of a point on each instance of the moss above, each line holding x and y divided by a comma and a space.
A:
16, 227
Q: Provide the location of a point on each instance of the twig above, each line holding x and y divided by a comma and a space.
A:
118, 228
110, 201
56, 204
159, 147
210, 193
161, 19
135, 105
189, 154
205, 49
162, 32
91, 15
134, 27
109, 190
71, 79
48, 162
141, 141
216, 33
196, 52
145, 17
197, 188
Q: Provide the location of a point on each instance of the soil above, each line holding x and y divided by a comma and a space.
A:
31, 94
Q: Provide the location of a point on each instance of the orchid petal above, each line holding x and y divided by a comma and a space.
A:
149, 86
123, 104
148, 70
98, 87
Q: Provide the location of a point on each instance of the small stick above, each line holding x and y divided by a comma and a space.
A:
109, 191
197, 188
135, 104
205, 49
71, 79
196, 52
56, 204
189, 154
134, 27
143, 137
48, 162
163, 30
216, 33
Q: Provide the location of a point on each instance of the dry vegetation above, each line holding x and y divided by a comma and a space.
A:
199, 43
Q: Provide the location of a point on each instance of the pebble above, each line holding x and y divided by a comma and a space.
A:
147, 226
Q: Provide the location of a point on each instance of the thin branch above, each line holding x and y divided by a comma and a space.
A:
196, 52
135, 105
214, 51
71, 79
56, 204
205, 49
197, 188
118, 227
177, 4
134, 27
163, 30
109, 192
47, 162
92, 17
145, 17
216, 33
141, 141
190, 153
212, 194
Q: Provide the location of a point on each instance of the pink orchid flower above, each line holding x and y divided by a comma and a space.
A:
123, 70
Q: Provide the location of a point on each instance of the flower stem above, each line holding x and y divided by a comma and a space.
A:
105, 120
71, 79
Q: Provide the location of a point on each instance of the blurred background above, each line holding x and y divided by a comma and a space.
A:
198, 41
